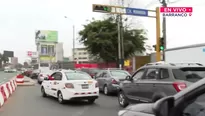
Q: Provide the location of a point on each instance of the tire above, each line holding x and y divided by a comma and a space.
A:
122, 100
105, 90
43, 92
60, 98
39, 82
91, 101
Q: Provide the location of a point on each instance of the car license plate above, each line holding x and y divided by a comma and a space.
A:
84, 86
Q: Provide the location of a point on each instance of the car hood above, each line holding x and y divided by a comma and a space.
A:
144, 108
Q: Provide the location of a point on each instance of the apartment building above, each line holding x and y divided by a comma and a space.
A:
81, 55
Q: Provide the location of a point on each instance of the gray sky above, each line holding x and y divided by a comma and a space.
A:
20, 18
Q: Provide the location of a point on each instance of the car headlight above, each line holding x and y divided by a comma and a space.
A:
121, 112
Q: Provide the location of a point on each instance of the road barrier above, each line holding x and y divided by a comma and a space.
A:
20, 78
6, 90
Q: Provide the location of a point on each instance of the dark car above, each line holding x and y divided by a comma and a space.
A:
155, 81
91, 71
109, 80
189, 102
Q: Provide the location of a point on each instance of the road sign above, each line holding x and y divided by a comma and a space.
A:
127, 63
102, 8
136, 12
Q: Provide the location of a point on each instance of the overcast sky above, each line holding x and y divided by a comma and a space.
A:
20, 18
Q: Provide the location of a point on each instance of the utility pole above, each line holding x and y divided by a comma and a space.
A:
73, 42
122, 36
119, 41
164, 4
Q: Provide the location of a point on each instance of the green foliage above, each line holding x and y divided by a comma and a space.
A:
101, 39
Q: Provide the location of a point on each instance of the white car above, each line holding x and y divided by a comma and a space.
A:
43, 75
70, 85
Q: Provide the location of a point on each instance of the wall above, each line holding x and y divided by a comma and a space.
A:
81, 55
59, 52
141, 60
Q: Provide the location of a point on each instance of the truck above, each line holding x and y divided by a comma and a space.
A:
186, 54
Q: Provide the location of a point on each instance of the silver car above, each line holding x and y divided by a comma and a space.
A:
110, 79
43, 75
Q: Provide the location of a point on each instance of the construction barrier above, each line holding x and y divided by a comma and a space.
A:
6, 90
20, 78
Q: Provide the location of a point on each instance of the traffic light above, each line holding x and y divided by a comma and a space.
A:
102, 8
161, 46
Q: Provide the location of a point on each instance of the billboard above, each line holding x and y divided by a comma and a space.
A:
8, 53
47, 50
32, 54
46, 36
47, 58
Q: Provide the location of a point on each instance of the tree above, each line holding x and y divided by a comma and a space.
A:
4, 58
100, 39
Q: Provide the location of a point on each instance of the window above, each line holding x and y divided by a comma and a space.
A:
44, 50
152, 73
138, 74
77, 76
164, 74
119, 73
191, 74
105, 75
57, 76
194, 107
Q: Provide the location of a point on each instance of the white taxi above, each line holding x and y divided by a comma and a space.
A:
70, 85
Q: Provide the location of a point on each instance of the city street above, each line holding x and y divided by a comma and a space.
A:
5, 76
27, 101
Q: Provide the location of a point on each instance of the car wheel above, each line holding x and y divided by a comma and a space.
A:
91, 101
105, 90
43, 92
122, 100
39, 82
60, 98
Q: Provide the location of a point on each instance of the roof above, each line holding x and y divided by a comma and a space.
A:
171, 65
186, 47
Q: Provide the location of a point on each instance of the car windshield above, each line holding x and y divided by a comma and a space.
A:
119, 73
191, 74
77, 76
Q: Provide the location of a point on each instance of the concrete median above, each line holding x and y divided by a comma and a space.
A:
27, 82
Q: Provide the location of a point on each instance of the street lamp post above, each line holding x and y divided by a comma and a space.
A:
73, 37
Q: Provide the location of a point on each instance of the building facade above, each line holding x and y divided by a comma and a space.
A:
59, 52
81, 55
14, 61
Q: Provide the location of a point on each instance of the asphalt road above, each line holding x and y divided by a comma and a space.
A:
27, 101
5, 76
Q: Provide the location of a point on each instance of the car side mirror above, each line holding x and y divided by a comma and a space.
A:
163, 106
129, 78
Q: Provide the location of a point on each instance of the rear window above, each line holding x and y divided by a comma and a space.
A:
77, 76
191, 74
94, 71
119, 73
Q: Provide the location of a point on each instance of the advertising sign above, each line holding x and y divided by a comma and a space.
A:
46, 36
47, 58
32, 54
8, 53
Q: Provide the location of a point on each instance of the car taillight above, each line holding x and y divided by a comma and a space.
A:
96, 85
179, 86
114, 81
69, 85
